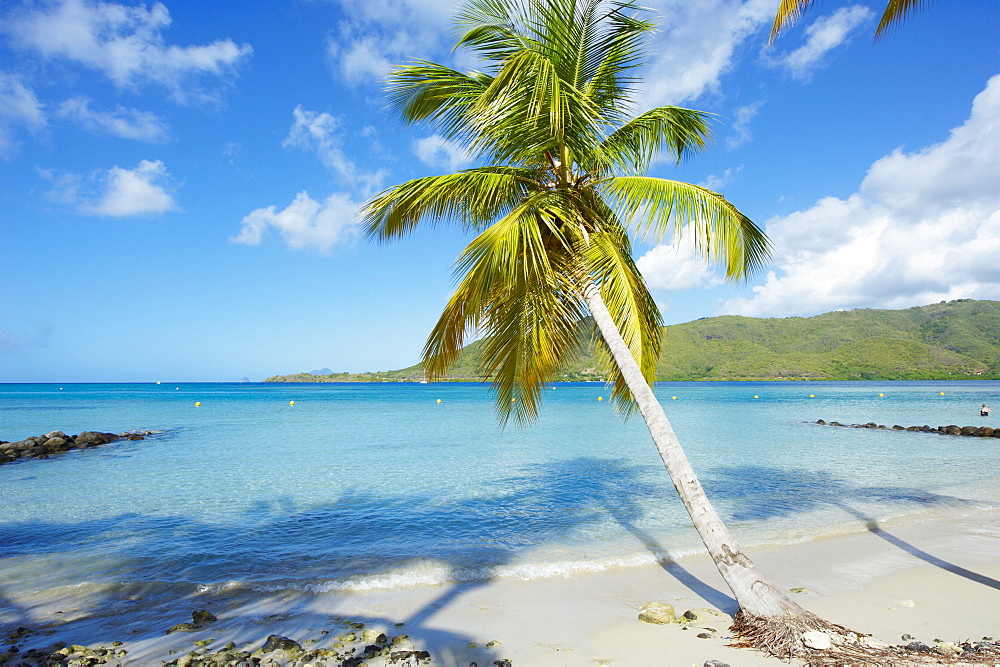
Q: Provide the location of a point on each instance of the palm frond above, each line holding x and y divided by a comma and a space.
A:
428, 92
895, 12
516, 291
634, 145
473, 198
718, 229
788, 13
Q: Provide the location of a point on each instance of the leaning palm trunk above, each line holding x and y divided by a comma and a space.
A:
754, 593
768, 619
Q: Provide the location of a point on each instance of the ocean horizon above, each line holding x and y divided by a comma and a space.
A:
393, 485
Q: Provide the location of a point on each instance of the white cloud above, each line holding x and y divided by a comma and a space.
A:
18, 108
116, 192
716, 182
741, 126
677, 267
381, 33
125, 43
305, 223
924, 226
320, 132
695, 45
436, 151
122, 122
822, 36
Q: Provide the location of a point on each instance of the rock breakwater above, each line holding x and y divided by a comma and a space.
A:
976, 431
57, 442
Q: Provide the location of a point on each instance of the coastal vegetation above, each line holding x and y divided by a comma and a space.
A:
942, 341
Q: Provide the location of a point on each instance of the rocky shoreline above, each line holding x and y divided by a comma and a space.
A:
57, 442
975, 431
353, 645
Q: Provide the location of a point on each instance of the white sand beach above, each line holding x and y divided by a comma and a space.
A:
932, 580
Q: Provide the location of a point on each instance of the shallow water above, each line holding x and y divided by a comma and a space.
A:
361, 486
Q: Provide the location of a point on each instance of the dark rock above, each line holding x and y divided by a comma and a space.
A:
279, 643
912, 428
5, 459
907, 638
897, 427
919, 647
182, 627
952, 430
820, 421
968, 430
984, 432
501, 663
203, 617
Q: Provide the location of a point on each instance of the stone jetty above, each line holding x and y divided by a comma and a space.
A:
57, 442
976, 431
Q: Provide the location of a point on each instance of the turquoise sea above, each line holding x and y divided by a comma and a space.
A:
368, 486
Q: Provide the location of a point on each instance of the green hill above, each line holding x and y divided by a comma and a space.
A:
948, 340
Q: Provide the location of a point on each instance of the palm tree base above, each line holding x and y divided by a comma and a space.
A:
782, 637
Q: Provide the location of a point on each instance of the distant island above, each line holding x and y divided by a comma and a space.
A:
944, 341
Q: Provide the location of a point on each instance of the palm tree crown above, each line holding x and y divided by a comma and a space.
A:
549, 108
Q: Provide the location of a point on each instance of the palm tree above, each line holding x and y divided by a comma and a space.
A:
552, 215
895, 11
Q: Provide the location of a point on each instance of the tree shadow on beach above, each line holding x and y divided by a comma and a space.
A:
707, 592
165, 564
767, 493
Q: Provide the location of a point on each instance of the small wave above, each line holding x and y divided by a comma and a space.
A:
435, 574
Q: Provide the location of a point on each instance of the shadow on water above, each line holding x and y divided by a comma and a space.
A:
763, 493
767, 493
275, 549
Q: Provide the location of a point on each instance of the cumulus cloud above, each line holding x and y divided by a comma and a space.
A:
677, 267
696, 44
117, 192
122, 122
822, 36
125, 43
305, 223
380, 33
19, 108
321, 133
436, 151
924, 226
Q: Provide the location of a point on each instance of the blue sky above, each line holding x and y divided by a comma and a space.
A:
179, 181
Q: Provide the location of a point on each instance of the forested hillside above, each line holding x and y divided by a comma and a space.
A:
948, 340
